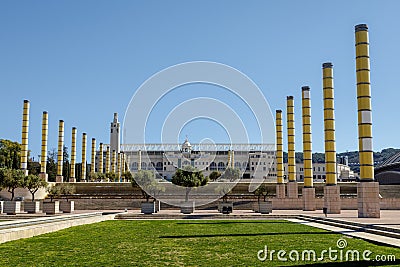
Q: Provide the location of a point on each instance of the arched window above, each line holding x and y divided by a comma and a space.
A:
237, 165
144, 166
213, 166
134, 166
159, 166
221, 166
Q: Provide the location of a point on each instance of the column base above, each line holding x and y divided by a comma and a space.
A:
292, 189
44, 176
308, 198
280, 191
332, 199
72, 180
368, 200
59, 179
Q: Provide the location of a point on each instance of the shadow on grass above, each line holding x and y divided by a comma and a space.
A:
248, 234
355, 263
235, 222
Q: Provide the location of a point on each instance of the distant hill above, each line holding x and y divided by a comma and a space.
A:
379, 157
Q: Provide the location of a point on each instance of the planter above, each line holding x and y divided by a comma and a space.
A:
51, 207
225, 207
1, 206
187, 207
158, 206
67, 206
148, 207
264, 207
32, 207
12, 207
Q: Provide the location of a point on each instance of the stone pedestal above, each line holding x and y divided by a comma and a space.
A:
32, 206
67, 206
280, 191
368, 200
292, 190
12, 207
59, 179
225, 207
72, 180
148, 207
51, 207
1, 206
332, 199
308, 198
187, 207
44, 176
265, 207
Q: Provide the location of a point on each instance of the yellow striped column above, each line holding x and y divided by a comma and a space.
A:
72, 178
119, 167
331, 190
43, 154
308, 189
139, 160
292, 186
60, 154
101, 158
233, 158
368, 193
113, 161
93, 158
108, 159
229, 159
280, 187
83, 173
25, 133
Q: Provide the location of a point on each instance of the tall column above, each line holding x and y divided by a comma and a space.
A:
60, 153
93, 158
139, 160
43, 154
308, 189
113, 162
72, 178
228, 164
292, 187
83, 174
331, 189
233, 158
119, 167
367, 189
24, 140
280, 186
101, 158
108, 159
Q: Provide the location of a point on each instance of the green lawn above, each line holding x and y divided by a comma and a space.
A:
177, 243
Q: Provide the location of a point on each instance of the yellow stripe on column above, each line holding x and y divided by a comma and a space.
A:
45, 130
93, 158
73, 153
329, 124
113, 157
307, 147
140, 160
279, 147
60, 155
84, 140
291, 139
108, 159
101, 158
364, 104
25, 134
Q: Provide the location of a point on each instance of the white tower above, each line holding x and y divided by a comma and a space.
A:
114, 135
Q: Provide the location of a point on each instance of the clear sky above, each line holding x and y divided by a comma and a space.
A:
83, 60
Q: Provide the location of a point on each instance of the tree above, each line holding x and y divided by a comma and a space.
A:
12, 179
262, 190
148, 184
51, 165
66, 189
111, 176
223, 189
33, 183
10, 154
231, 174
214, 175
53, 191
127, 176
189, 177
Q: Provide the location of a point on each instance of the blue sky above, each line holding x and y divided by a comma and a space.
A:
82, 60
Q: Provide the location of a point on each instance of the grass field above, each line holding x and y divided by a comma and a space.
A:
180, 243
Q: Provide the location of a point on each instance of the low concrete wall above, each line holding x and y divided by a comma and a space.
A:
277, 204
47, 225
